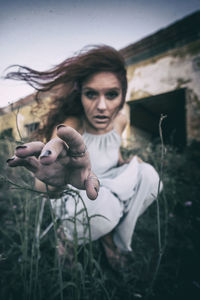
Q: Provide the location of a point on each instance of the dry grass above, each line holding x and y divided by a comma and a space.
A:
30, 267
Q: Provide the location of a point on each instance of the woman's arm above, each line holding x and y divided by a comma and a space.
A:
121, 161
63, 160
120, 122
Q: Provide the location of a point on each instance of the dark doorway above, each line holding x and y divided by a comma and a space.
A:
146, 112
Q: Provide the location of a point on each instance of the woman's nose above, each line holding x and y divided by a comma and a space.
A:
101, 104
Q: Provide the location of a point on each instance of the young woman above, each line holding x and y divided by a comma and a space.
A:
84, 149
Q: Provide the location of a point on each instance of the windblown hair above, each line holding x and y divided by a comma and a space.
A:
68, 76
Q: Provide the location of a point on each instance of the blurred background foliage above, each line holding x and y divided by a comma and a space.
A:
28, 263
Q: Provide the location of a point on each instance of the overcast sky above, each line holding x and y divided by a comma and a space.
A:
42, 33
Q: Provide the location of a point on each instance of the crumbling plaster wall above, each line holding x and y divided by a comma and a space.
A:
17, 118
174, 69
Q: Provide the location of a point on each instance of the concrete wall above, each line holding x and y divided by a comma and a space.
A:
174, 69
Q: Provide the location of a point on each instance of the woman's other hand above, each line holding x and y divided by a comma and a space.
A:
63, 160
122, 161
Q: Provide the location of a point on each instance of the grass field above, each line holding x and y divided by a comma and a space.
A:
164, 264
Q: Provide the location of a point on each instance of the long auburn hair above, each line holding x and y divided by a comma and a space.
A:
67, 77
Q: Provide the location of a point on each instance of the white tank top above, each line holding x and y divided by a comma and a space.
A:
103, 150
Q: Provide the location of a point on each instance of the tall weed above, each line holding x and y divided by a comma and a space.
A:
31, 267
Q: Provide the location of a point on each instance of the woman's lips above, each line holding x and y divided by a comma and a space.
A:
101, 119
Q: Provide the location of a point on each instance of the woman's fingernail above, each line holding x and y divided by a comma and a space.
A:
21, 147
45, 154
59, 126
10, 159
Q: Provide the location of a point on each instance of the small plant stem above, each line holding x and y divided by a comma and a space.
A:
76, 251
159, 185
33, 258
160, 248
23, 187
37, 257
90, 236
56, 240
90, 242
17, 125
25, 242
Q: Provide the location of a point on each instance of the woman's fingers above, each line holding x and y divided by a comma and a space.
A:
25, 156
29, 149
92, 186
73, 139
31, 163
56, 155
53, 149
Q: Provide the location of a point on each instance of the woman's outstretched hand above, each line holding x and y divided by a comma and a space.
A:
63, 160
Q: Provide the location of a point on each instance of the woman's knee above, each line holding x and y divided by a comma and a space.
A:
149, 174
101, 226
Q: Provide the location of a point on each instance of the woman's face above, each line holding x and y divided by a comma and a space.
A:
101, 98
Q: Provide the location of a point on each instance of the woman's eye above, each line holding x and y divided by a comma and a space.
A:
112, 95
90, 94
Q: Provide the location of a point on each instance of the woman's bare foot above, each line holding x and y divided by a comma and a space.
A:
116, 258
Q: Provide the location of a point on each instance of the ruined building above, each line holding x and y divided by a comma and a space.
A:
164, 79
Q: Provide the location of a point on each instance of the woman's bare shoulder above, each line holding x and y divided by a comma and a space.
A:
73, 122
120, 122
